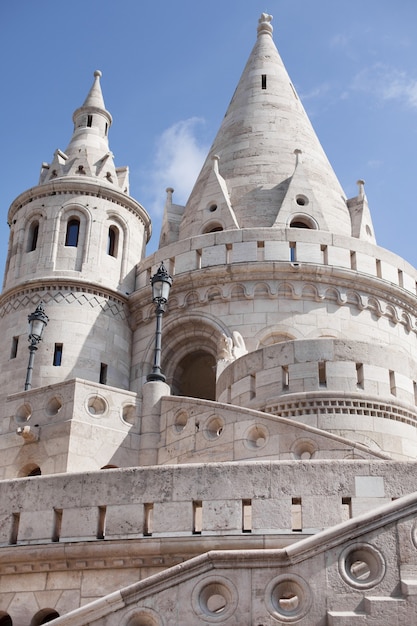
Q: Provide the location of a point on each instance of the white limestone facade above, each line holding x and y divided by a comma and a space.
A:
271, 478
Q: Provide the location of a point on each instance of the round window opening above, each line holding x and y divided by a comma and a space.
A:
96, 406
53, 407
23, 413
256, 437
288, 597
212, 208
214, 428
214, 599
301, 200
181, 420
362, 566
129, 414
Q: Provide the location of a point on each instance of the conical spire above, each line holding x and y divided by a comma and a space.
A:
263, 127
88, 152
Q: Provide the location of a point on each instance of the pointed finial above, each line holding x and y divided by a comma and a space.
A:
215, 158
298, 154
264, 24
361, 186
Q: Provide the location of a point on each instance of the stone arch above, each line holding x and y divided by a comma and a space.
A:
116, 221
302, 220
192, 346
275, 336
32, 228
212, 227
30, 469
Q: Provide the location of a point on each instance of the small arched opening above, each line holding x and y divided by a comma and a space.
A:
33, 236
213, 227
113, 241
195, 376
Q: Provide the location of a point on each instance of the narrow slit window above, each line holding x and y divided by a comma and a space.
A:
89, 120
57, 525
101, 525
15, 528
293, 251
285, 377
73, 231
392, 386
15, 345
103, 374
197, 517
112, 241
296, 515
263, 81
415, 392
400, 278
346, 509
57, 355
378, 268
322, 374
359, 375
148, 519
324, 255
353, 265
247, 516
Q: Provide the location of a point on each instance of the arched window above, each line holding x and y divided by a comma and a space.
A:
112, 241
33, 236
73, 230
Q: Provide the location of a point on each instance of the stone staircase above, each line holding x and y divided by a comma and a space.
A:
399, 611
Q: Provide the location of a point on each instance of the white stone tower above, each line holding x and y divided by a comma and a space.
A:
75, 240
272, 480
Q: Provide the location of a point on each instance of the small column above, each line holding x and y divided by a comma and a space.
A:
153, 391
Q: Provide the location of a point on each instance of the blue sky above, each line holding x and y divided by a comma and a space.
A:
169, 72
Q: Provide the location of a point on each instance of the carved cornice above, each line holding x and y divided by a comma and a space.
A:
274, 280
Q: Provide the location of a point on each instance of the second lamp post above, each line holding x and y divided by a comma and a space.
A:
161, 284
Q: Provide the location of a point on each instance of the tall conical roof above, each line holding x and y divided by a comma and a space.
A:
88, 152
264, 131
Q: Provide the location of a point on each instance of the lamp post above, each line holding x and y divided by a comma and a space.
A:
161, 284
37, 322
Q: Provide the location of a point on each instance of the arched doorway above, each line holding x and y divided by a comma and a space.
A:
195, 376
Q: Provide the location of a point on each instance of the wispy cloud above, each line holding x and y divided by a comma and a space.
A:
387, 83
178, 159
317, 92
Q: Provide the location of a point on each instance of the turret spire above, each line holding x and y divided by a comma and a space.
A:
88, 153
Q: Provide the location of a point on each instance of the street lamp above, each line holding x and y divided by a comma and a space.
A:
161, 284
37, 322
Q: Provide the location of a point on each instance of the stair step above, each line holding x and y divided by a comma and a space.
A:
346, 618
